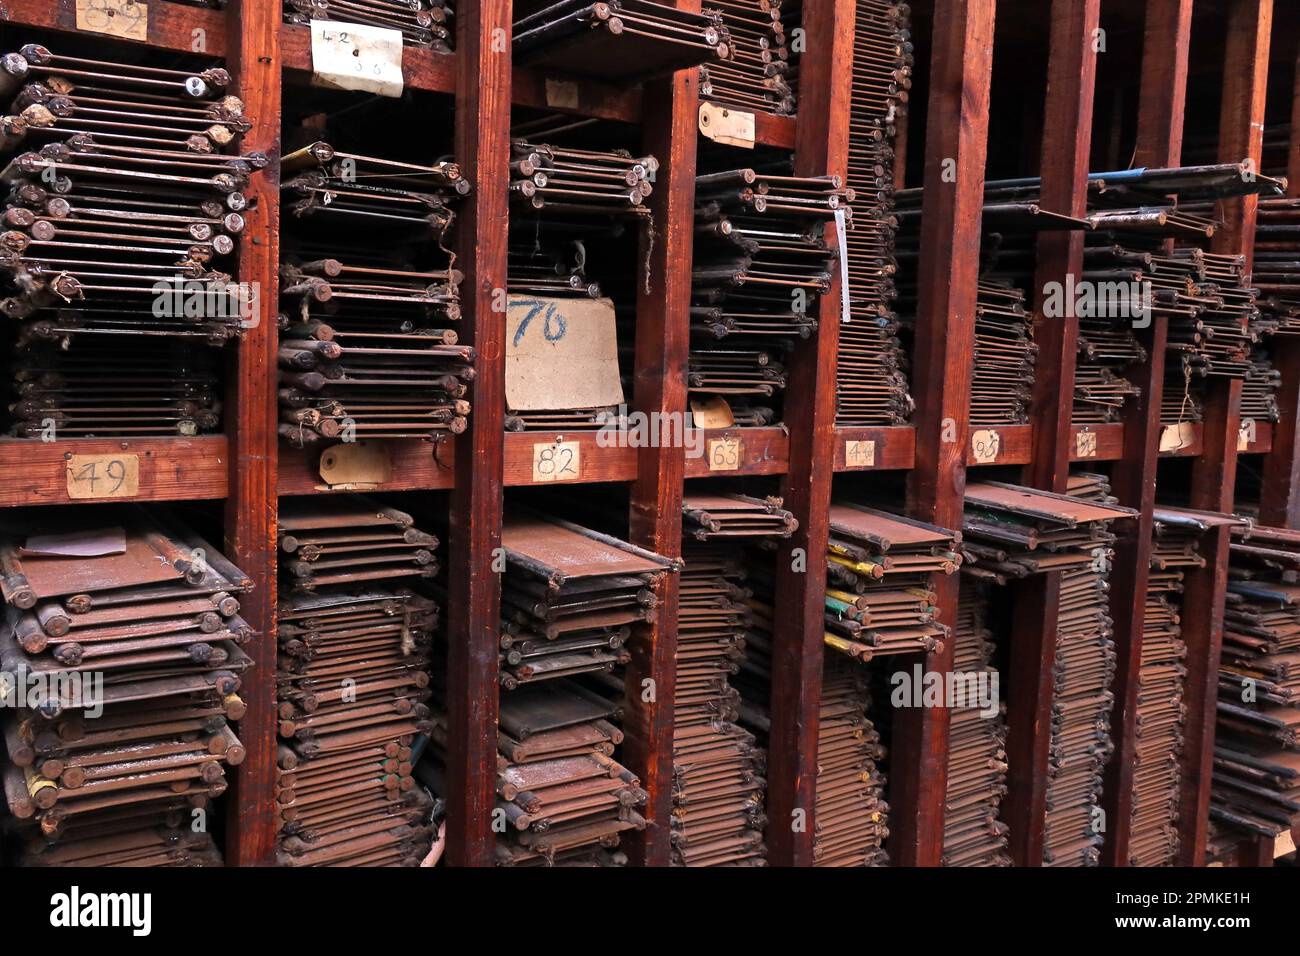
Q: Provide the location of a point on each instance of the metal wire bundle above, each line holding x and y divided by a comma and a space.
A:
1256, 787
123, 645
761, 263
1259, 388
365, 348
155, 388
871, 368
718, 768
756, 75
973, 831
878, 597
624, 40
428, 24
1277, 263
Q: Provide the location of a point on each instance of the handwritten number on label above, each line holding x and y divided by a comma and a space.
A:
554, 326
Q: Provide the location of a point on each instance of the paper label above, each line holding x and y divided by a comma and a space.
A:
1085, 444
860, 454
356, 464
128, 19
725, 454
562, 94
725, 125
842, 240
561, 354
1245, 434
557, 461
1175, 437
985, 444
352, 56
103, 476
711, 412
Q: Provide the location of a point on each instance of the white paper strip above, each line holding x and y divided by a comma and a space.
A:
350, 56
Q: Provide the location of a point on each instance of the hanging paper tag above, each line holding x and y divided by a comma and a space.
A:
843, 242
351, 56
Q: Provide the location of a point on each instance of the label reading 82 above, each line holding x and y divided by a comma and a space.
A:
557, 461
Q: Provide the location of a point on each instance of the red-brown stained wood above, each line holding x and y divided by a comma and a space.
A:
821, 146
170, 27
171, 469
1241, 124
474, 613
252, 42
427, 70
1067, 137
947, 276
1162, 96
894, 447
1016, 444
670, 123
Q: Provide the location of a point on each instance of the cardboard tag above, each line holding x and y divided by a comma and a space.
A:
985, 444
725, 454
561, 94
128, 19
359, 464
711, 412
561, 354
557, 461
860, 454
842, 242
725, 125
1284, 845
1085, 444
103, 476
352, 56
1174, 437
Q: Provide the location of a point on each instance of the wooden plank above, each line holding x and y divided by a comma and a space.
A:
1067, 138
763, 451
1162, 95
671, 119
947, 277
821, 146
427, 70
1241, 127
1015, 444
893, 447
171, 26
474, 615
251, 423
171, 469
416, 466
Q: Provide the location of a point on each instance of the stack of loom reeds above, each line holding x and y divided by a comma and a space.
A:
850, 818
349, 540
572, 208
625, 40
1256, 789
755, 78
352, 684
365, 351
718, 785
1161, 712
878, 598
122, 644
570, 598
1259, 389
124, 199
1013, 532
761, 264
871, 368
973, 831
428, 24
1277, 263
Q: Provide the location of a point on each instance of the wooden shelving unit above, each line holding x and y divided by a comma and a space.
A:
249, 468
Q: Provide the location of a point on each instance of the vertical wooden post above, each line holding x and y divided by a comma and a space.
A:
947, 280
670, 129
253, 58
1162, 97
821, 146
1067, 138
474, 614
1279, 499
1241, 132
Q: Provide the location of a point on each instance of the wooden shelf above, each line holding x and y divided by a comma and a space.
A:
893, 448
170, 469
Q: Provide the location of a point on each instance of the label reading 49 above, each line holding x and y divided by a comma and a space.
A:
103, 476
